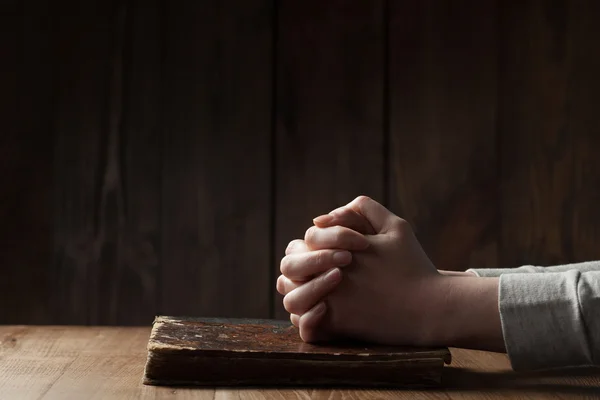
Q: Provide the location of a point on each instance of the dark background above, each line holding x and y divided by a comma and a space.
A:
157, 156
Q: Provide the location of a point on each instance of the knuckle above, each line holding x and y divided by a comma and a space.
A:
400, 228
319, 258
316, 287
400, 224
338, 234
291, 245
309, 235
280, 285
362, 199
284, 266
295, 320
290, 303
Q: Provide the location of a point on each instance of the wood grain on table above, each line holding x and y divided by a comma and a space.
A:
50, 362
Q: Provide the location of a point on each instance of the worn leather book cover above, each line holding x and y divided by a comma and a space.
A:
244, 352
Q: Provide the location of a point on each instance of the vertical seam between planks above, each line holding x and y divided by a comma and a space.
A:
386, 124
273, 162
159, 281
498, 133
122, 43
57, 307
110, 75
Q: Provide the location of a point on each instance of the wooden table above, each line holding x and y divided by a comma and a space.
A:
108, 362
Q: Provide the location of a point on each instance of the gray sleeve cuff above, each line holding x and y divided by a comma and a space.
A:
496, 272
527, 269
589, 299
542, 320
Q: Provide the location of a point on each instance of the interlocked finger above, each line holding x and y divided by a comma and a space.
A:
286, 285
303, 266
346, 217
306, 296
335, 237
296, 246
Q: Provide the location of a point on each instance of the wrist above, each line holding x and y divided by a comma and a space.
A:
464, 312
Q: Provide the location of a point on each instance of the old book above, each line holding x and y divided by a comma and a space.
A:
232, 352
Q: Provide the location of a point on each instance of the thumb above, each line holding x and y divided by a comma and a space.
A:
346, 217
380, 218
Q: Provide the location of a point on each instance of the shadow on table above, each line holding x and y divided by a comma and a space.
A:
580, 381
575, 382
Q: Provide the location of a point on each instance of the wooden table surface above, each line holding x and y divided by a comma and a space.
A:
108, 362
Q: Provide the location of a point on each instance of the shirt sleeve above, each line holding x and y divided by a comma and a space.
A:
495, 272
551, 319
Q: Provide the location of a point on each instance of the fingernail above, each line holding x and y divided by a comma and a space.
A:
342, 258
323, 219
334, 276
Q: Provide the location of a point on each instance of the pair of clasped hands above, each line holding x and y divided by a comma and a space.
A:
361, 273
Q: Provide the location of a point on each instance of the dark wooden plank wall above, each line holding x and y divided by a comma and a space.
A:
158, 156
329, 112
26, 162
443, 156
549, 131
216, 164
88, 183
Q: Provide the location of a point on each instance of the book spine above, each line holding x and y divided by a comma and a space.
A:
198, 370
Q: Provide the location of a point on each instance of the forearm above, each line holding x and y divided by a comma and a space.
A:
464, 313
544, 320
